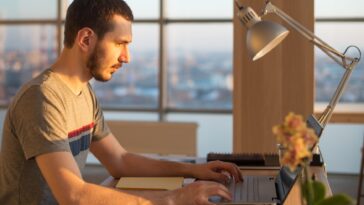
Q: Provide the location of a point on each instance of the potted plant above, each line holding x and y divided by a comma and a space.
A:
295, 141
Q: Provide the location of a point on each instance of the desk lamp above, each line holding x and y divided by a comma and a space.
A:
263, 36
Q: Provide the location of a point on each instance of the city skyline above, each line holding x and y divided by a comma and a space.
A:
196, 79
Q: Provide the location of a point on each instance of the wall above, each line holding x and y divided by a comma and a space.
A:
280, 82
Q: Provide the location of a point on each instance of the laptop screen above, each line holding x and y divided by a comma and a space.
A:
315, 125
285, 181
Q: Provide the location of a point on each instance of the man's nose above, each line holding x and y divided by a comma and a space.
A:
125, 56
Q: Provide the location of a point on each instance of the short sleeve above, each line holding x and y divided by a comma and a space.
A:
39, 122
101, 129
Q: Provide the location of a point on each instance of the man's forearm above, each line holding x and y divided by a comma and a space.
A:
137, 165
94, 194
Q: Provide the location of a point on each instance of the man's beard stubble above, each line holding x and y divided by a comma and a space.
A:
94, 64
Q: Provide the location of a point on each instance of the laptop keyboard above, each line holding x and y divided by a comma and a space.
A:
248, 190
246, 159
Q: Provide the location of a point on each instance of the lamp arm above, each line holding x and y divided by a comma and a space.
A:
326, 115
348, 63
334, 54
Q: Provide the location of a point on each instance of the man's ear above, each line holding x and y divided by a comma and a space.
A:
86, 39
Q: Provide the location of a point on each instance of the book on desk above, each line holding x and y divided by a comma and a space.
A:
150, 183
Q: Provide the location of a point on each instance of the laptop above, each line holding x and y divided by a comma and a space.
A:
312, 122
261, 189
267, 189
315, 125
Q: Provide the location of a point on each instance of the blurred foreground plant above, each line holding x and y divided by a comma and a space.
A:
295, 141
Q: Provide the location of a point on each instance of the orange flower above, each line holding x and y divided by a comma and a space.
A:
295, 139
294, 122
309, 137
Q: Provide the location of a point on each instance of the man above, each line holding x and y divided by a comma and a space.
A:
55, 119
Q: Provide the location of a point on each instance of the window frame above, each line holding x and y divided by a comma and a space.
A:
162, 109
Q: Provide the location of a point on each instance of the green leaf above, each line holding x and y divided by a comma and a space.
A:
308, 192
304, 190
319, 191
338, 199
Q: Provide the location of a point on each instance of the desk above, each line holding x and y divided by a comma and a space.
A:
293, 197
295, 194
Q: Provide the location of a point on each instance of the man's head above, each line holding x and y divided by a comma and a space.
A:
101, 30
94, 14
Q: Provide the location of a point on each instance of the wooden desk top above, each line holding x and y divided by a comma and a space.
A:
295, 194
293, 197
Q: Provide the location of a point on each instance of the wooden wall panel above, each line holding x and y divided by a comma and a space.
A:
267, 89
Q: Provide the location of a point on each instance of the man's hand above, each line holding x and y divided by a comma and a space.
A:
217, 171
198, 193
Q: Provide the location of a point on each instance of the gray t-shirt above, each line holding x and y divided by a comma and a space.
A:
45, 116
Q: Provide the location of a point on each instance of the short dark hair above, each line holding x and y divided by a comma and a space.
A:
95, 14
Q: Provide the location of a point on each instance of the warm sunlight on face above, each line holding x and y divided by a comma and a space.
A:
112, 51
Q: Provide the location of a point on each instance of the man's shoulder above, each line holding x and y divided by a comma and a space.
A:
43, 85
45, 80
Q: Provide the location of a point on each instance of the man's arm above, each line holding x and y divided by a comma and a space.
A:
119, 163
63, 177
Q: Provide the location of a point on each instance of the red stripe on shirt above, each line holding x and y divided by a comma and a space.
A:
78, 131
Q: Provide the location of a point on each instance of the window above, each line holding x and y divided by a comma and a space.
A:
329, 73
181, 53
181, 56
199, 66
28, 42
340, 25
201, 9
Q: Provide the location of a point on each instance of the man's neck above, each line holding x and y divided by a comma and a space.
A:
72, 70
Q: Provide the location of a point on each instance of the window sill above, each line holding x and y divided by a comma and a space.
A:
344, 113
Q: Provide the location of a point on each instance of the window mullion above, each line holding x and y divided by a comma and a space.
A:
59, 26
162, 64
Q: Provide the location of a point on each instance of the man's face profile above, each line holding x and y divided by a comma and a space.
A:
111, 51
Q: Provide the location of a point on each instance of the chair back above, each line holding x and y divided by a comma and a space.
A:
164, 138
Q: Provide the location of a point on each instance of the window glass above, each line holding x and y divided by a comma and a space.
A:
328, 73
199, 9
135, 85
23, 9
200, 66
215, 132
144, 8
25, 51
65, 4
339, 9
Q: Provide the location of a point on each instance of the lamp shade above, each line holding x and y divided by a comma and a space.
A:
263, 36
